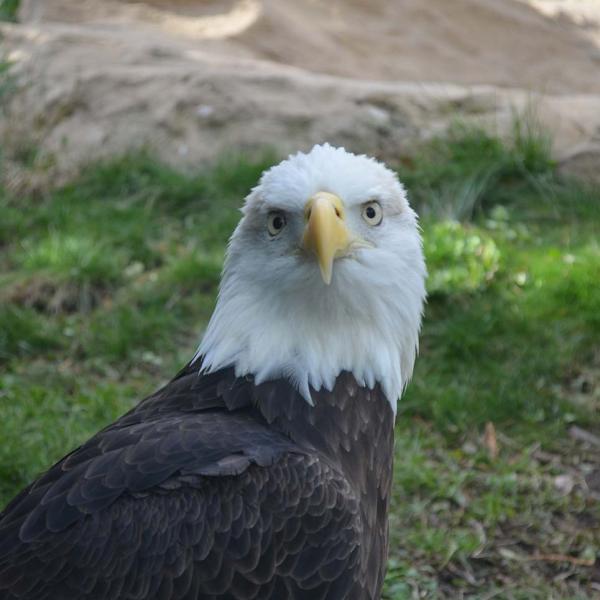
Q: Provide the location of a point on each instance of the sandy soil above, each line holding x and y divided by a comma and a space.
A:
192, 78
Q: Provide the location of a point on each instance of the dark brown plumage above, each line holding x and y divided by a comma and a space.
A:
213, 488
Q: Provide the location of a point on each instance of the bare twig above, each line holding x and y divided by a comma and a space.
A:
574, 560
581, 435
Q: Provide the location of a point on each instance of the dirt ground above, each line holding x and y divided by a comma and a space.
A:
192, 79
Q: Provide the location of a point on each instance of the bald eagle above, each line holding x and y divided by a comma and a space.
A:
263, 469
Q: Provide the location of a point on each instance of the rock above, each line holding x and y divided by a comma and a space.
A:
583, 162
192, 79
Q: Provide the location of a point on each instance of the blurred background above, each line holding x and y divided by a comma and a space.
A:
130, 132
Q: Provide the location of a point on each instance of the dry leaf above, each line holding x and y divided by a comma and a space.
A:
490, 441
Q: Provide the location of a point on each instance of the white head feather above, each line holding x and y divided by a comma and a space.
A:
275, 316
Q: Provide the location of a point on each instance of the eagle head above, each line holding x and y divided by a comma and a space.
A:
324, 273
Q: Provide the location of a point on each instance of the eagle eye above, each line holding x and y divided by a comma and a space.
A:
275, 222
372, 213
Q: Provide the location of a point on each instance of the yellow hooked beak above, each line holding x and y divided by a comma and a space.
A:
326, 233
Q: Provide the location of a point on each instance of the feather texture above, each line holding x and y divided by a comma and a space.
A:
213, 487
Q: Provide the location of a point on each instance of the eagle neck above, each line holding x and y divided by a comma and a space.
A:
352, 428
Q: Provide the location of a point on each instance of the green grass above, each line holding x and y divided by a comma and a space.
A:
7, 82
102, 281
9, 10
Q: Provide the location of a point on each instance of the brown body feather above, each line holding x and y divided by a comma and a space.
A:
213, 488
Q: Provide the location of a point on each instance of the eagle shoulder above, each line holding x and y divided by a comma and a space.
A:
288, 531
190, 495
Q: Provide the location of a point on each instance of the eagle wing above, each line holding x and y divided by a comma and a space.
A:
190, 495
